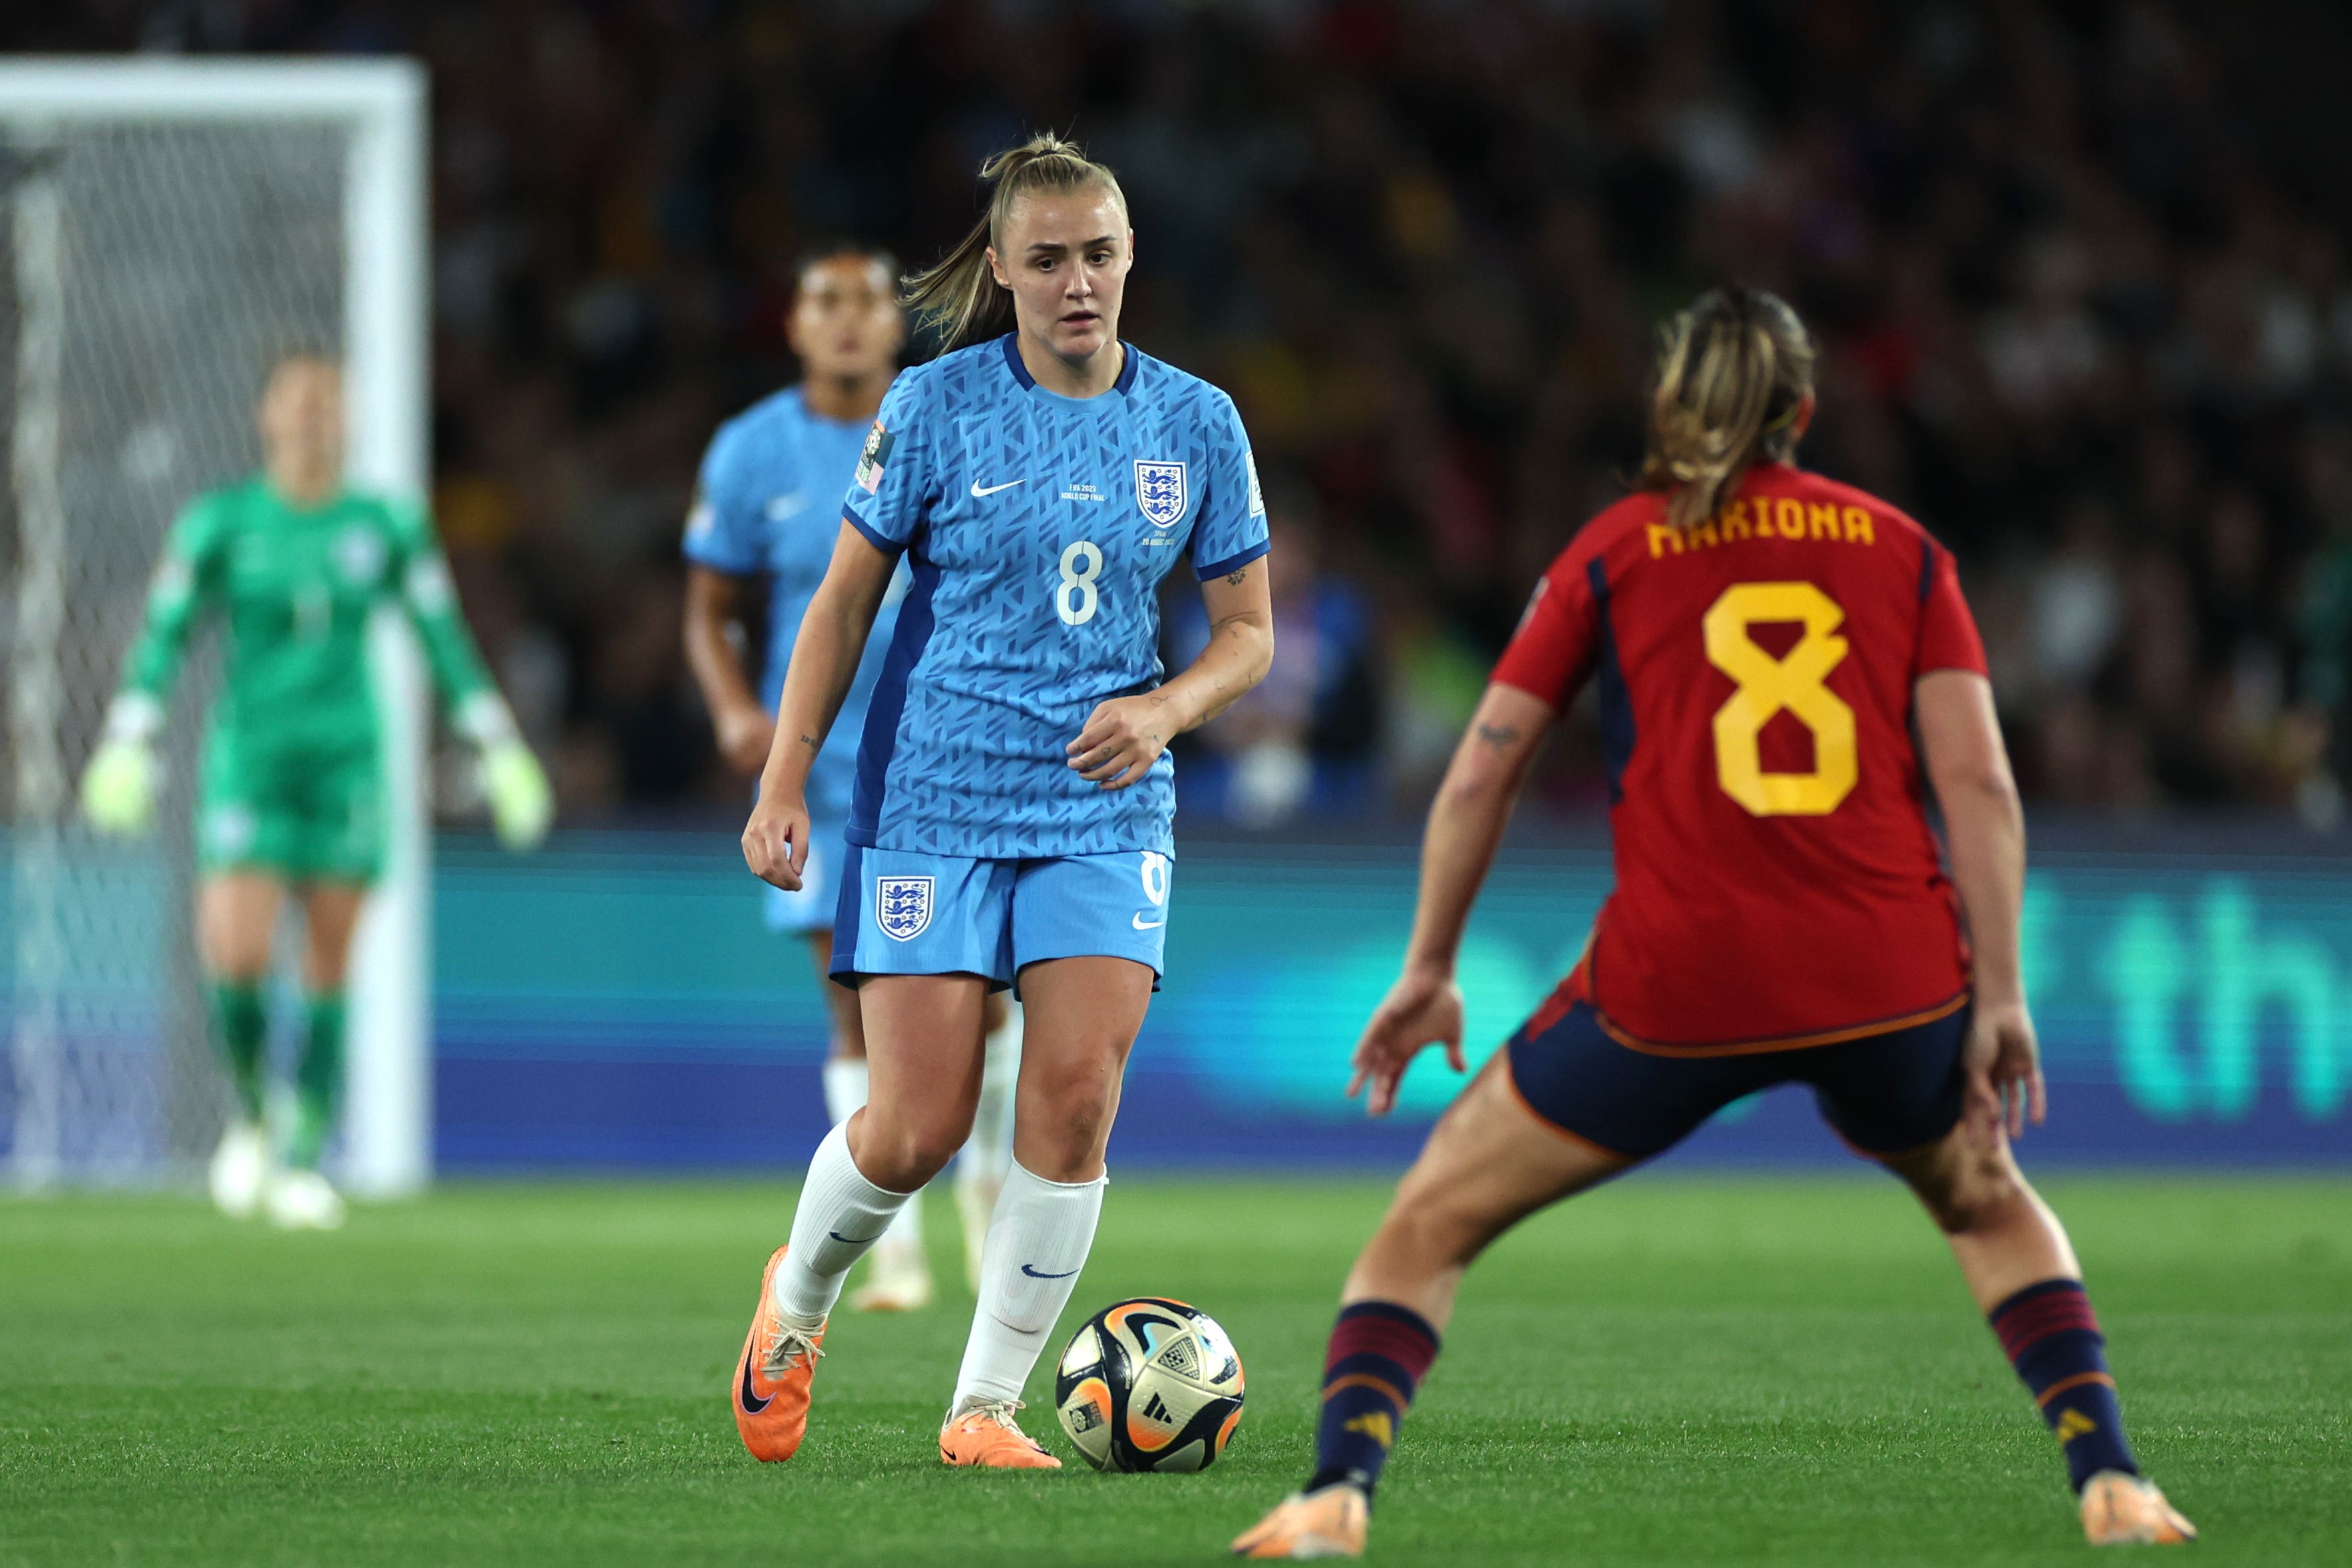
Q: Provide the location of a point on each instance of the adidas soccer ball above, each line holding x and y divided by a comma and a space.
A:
1150, 1385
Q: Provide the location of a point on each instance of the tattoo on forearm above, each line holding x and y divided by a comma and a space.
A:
811, 741
1498, 736
1236, 579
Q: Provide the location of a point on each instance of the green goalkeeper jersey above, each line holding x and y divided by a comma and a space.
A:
296, 588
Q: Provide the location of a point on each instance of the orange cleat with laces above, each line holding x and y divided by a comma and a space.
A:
986, 1436
770, 1392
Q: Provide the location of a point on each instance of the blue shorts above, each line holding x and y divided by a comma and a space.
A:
906, 913
1884, 1094
811, 909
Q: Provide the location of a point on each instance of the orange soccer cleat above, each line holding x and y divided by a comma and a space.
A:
771, 1390
2125, 1510
1326, 1522
986, 1436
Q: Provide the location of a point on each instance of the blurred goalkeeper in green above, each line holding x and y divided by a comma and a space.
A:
291, 796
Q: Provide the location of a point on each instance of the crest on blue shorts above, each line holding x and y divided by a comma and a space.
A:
1160, 491
902, 906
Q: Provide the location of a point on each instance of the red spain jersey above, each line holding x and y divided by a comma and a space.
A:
1777, 882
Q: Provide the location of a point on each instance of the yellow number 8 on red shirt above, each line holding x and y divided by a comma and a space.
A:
1767, 685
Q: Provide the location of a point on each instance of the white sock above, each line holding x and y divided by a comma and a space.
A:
1037, 1245
845, 1079
841, 1214
987, 1154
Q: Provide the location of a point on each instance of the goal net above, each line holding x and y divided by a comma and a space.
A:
170, 230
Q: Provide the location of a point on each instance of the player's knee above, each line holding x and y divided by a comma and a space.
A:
1980, 1191
903, 1153
239, 958
1430, 1224
1064, 1120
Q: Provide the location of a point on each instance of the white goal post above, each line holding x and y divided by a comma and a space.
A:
54, 112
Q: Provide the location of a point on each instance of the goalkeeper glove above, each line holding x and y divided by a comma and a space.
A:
118, 787
522, 806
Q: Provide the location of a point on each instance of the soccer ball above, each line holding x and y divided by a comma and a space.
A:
1150, 1385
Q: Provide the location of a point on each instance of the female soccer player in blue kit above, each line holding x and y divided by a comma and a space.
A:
765, 510
1010, 821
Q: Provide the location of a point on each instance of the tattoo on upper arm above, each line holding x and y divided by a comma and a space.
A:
1498, 736
1236, 579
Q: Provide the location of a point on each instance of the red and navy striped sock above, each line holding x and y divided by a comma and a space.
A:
1380, 1353
2054, 1340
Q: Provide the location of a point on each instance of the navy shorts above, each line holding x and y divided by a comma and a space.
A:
1884, 1094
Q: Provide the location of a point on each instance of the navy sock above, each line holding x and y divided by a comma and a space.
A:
2054, 1340
1380, 1351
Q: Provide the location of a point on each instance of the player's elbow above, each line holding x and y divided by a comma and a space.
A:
1981, 787
1251, 636
1475, 784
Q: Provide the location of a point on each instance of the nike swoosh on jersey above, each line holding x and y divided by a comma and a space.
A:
753, 1402
1142, 924
1034, 1275
783, 508
977, 492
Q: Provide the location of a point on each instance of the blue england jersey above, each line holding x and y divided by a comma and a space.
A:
765, 507
1038, 528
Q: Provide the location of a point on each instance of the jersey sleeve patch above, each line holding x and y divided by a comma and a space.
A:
891, 490
874, 457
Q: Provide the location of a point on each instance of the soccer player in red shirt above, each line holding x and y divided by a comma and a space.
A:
1767, 643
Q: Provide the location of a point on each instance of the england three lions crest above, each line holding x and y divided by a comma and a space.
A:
1160, 491
902, 906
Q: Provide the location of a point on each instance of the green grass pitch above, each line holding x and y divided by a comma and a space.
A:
1678, 1369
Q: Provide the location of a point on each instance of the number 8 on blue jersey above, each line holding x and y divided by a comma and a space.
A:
1038, 529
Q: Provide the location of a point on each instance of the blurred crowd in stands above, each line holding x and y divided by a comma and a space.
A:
2078, 314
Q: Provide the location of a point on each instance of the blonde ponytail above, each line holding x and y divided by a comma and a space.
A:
957, 296
1734, 372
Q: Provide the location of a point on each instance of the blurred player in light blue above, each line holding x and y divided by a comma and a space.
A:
1014, 805
768, 507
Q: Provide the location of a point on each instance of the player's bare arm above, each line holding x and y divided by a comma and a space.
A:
1984, 827
823, 664
715, 606
1124, 736
1465, 827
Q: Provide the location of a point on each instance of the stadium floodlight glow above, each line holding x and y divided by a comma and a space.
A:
171, 225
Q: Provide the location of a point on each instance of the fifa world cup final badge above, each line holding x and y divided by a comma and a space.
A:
902, 906
870, 461
1160, 491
